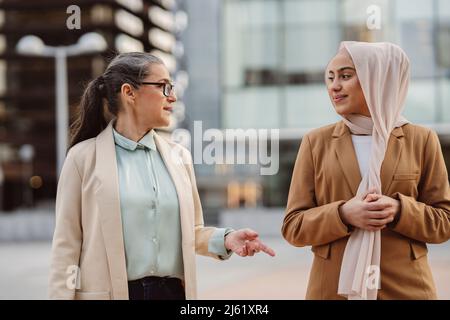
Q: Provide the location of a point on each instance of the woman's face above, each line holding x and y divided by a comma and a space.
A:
343, 86
152, 107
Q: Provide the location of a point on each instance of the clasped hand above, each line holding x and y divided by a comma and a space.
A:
370, 212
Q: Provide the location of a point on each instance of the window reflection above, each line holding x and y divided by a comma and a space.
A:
274, 54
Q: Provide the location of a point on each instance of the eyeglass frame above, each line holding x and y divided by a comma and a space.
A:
164, 84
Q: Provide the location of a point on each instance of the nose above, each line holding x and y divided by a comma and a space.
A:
172, 97
336, 85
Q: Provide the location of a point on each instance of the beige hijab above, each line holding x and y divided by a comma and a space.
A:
383, 72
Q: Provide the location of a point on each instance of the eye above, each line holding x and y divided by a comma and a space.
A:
330, 78
346, 76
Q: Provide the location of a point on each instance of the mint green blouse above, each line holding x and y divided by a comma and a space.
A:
150, 212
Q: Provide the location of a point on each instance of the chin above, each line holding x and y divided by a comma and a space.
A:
164, 123
342, 110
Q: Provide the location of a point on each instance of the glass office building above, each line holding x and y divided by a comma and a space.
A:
271, 56
275, 53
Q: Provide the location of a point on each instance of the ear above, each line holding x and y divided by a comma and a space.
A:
127, 92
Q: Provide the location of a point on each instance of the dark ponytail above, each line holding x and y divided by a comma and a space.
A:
131, 68
90, 120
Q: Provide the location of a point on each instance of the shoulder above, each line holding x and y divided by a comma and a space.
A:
82, 151
322, 134
418, 130
81, 148
417, 134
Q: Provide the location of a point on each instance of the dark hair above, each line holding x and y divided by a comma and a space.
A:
131, 68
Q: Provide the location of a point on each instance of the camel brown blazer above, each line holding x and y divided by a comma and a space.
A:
326, 174
88, 232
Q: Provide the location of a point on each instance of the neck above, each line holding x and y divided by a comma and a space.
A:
365, 111
130, 127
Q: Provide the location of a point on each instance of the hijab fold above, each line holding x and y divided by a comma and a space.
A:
383, 72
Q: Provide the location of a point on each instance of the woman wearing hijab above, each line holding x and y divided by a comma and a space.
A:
128, 214
369, 192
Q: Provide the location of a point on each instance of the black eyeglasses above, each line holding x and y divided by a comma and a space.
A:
167, 87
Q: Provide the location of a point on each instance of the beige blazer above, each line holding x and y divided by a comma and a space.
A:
88, 233
326, 174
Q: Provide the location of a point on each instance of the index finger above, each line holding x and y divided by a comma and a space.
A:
267, 250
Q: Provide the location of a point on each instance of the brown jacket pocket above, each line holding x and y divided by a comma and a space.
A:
322, 251
406, 176
418, 249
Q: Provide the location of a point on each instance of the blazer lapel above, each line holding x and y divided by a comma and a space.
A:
391, 158
346, 156
108, 200
176, 169
173, 160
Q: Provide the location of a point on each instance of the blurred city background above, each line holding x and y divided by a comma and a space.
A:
236, 64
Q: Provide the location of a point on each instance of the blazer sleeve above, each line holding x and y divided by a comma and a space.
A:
202, 234
67, 238
306, 223
427, 219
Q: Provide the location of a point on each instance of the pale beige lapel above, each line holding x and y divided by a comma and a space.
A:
177, 170
173, 161
107, 195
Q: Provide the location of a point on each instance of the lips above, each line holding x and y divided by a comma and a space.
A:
168, 108
339, 97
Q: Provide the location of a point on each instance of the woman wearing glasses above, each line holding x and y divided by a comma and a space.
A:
128, 215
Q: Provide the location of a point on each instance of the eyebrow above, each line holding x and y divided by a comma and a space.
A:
342, 69
163, 80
